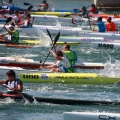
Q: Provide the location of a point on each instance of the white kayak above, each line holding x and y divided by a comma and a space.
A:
85, 39
106, 45
90, 116
72, 20
18, 70
66, 30
35, 30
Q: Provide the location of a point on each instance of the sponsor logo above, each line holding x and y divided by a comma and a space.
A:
44, 76
100, 45
31, 76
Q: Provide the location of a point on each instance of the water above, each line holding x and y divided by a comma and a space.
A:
11, 110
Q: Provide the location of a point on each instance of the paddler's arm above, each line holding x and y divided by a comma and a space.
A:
55, 55
10, 32
49, 66
5, 3
2, 82
38, 5
18, 89
60, 49
2, 35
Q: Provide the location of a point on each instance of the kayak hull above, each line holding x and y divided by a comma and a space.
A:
81, 78
90, 116
61, 101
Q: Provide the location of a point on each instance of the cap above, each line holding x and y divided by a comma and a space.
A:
11, 26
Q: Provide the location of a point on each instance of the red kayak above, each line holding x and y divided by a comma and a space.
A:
12, 96
17, 46
101, 15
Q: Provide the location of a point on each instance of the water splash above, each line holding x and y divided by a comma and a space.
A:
111, 70
44, 39
58, 24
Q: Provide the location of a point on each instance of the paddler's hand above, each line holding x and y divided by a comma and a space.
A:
11, 88
40, 67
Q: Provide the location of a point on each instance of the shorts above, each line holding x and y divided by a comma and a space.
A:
62, 69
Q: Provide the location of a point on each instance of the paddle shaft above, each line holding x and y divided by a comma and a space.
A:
48, 55
50, 38
55, 41
7, 21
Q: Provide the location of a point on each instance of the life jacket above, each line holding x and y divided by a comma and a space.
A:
85, 15
110, 26
14, 37
13, 84
72, 57
94, 10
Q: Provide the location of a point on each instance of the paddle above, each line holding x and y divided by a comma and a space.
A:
7, 21
24, 95
50, 37
29, 8
55, 40
27, 3
89, 22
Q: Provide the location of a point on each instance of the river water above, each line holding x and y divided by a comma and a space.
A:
11, 110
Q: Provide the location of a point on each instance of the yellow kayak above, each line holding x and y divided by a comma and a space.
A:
59, 14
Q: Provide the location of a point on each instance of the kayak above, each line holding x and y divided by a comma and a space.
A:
25, 43
73, 20
35, 30
60, 14
106, 45
66, 30
86, 39
90, 116
31, 64
61, 101
97, 15
18, 70
78, 78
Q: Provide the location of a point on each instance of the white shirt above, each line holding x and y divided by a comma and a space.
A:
64, 61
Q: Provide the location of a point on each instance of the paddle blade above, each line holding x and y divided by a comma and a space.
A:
29, 8
8, 20
49, 34
56, 38
27, 4
28, 97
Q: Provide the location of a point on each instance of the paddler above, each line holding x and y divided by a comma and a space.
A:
93, 9
84, 12
101, 25
13, 35
110, 26
70, 55
61, 65
14, 84
17, 19
43, 6
28, 22
9, 5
